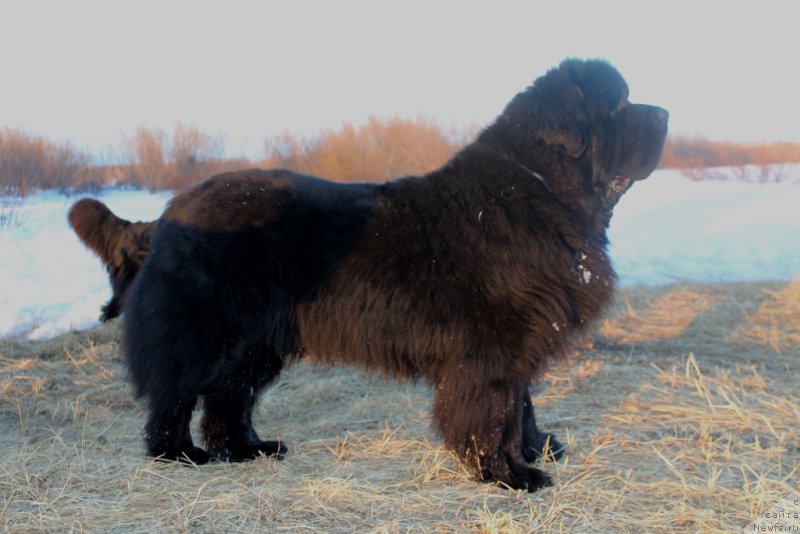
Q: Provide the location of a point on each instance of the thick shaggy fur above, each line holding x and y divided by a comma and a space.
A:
121, 245
471, 277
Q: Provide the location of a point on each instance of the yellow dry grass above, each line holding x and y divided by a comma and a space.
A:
775, 322
680, 416
667, 317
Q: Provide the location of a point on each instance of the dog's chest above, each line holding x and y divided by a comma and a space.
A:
592, 281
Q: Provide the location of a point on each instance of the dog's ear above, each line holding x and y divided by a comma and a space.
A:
552, 111
605, 90
574, 96
565, 123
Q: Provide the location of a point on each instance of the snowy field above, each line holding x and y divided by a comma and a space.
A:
666, 229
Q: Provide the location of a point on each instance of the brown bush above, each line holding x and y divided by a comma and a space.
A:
154, 160
376, 151
179, 180
144, 158
754, 162
28, 161
191, 150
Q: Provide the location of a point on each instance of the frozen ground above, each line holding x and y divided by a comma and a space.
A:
50, 282
666, 229
671, 229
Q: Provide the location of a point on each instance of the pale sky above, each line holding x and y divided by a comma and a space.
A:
90, 71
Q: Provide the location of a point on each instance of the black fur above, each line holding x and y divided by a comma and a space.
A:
471, 277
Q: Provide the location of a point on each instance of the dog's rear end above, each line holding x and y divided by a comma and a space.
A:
121, 245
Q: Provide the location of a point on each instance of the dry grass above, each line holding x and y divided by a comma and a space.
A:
681, 415
667, 317
775, 323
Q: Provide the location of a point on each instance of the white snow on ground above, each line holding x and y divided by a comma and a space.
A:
50, 282
669, 229
665, 229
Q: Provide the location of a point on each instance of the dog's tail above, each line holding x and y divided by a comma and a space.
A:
121, 245
97, 227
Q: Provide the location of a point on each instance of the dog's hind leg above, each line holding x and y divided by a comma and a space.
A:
482, 421
534, 441
227, 420
168, 383
167, 435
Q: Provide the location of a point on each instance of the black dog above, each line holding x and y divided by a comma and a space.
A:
472, 276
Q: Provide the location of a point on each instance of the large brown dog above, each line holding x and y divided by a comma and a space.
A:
471, 277
121, 245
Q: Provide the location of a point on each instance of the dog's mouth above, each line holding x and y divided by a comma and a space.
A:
616, 188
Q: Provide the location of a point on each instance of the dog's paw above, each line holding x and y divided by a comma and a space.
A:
108, 311
546, 448
190, 456
519, 477
532, 479
244, 453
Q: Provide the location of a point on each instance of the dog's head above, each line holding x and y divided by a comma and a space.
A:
577, 116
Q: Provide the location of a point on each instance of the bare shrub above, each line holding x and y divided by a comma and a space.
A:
191, 150
154, 160
682, 152
10, 216
702, 159
177, 181
376, 151
774, 173
28, 161
751, 174
762, 174
143, 156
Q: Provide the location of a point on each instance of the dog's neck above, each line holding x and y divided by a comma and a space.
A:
530, 172
596, 220
534, 174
